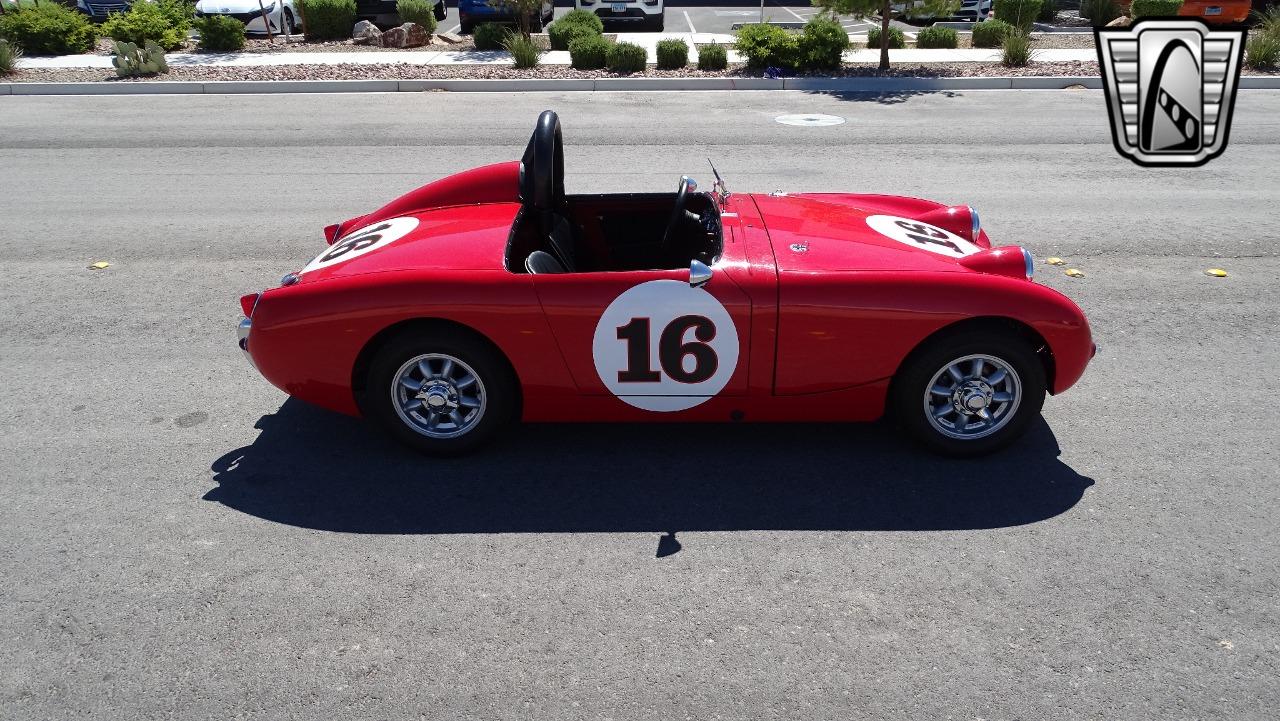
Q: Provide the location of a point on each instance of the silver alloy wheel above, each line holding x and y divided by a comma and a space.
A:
438, 395
972, 397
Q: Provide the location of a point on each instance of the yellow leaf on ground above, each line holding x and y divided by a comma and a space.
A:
1075, 273
1216, 272
100, 265
1055, 261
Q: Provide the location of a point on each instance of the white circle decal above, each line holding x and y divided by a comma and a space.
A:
365, 240
921, 235
664, 346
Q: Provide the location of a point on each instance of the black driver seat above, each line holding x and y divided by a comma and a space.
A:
560, 239
541, 262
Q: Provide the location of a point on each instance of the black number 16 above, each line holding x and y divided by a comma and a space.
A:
671, 350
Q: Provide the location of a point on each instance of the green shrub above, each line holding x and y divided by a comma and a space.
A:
1048, 11
589, 53
1268, 23
561, 33
1016, 51
131, 60
1100, 12
896, 38
1018, 13
220, 33
489, 36
48, 29
146, 21
768, 46
991, 33
672, 54
10, 54
626, 58
713, 57
329, 19
937, 37
421, 12
581, 17
1154, 8
822, 42
1263, 51
524, 52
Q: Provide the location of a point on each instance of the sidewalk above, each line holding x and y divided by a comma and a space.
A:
554, 57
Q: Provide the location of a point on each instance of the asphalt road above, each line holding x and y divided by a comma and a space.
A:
181, 541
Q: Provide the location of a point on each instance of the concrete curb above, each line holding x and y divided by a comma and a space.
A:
830, 85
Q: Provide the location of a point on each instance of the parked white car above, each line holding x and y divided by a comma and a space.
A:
281, 15
649, 13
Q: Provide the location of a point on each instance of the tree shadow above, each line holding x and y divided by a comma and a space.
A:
313, 469
894, 97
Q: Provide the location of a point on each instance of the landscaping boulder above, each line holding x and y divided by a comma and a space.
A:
395, 37
366, 33
415, 35
1120, 22
451, 38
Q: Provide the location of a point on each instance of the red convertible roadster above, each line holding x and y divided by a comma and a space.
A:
492, 296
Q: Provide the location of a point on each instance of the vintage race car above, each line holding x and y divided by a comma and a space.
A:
492, 296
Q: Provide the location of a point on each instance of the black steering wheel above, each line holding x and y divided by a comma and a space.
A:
542, 167
677, 213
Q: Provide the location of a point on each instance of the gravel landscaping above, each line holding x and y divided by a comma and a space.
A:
418, 72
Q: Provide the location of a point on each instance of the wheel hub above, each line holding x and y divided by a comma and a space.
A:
439, 397
972, 397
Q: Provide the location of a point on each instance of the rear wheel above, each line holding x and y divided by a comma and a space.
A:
659, 22
969, 393
443, 393
440, 11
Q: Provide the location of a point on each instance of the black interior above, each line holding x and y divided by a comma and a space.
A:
600, 233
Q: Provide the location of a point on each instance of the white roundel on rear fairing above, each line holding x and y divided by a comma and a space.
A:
687, 325
362, 241
923, 236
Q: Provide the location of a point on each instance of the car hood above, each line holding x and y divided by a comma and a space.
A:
817, 232
238, 7
462, 237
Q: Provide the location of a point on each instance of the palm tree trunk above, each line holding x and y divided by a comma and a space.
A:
885, 11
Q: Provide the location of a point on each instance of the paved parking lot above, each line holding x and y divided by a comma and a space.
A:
181, 541
716, 19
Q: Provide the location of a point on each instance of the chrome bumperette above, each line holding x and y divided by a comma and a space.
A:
242, 337
975, 224
1030, 263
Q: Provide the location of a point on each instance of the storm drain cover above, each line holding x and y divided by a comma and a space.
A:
810, 119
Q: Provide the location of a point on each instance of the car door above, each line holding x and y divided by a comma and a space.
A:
649, 338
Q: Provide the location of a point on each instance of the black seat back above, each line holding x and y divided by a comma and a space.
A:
540, 262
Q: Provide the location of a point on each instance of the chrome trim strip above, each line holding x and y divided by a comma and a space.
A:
1030, 262
975, 225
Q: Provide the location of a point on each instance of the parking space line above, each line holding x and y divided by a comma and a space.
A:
454, 29
793, 12
690, 22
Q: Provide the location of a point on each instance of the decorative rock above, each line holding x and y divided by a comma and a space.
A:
415, 35
395, 37
366, 33
1120, 22
450, 38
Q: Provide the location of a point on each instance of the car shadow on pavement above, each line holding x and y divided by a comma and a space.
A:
314, 469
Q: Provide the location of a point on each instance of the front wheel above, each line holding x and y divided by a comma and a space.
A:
440, 11
969, 393
443, 393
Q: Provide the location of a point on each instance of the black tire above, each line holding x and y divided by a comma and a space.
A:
535, 25
440, 11
660, 23
465, 28
496, 380
906, 403
289, 24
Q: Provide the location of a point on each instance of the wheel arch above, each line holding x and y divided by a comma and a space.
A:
1000, 324
425, 325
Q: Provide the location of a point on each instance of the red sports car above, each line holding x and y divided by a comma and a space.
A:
492, 296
